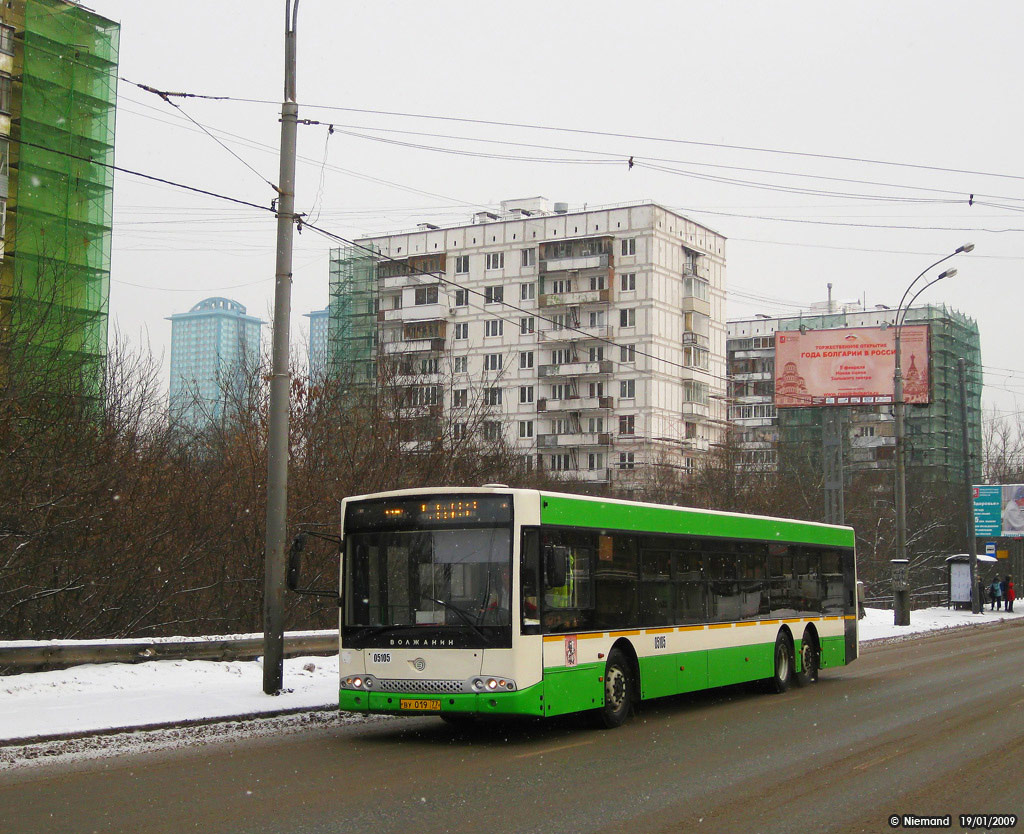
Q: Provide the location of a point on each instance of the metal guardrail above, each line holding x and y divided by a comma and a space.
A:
57, 655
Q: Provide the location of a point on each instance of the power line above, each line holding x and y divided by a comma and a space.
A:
618, 135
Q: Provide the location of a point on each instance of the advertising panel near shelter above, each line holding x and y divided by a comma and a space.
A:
999, 511
849, 366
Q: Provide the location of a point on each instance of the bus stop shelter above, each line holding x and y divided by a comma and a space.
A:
959, 578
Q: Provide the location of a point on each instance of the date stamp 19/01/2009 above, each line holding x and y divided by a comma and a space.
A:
968, 822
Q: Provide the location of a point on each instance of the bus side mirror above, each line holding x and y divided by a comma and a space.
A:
555, 563
295, 562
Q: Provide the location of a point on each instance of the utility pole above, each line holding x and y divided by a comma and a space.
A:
280, 381
972, 541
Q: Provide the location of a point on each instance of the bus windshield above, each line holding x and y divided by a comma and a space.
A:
438, 578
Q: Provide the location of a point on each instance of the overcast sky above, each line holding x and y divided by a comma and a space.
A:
929, 87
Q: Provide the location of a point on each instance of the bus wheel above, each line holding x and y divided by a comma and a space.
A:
618, 691
810, 659
783, 676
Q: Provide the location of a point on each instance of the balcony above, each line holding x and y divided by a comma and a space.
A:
549, 441
577, 332
575, 404
691, 338
419, 312
413, 346
695, 409
575, 369
565, 299
395, 282
581, 261
691, 303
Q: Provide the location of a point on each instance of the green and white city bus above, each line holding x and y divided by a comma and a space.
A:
465, 602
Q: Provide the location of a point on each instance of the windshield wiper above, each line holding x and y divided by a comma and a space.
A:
463, 615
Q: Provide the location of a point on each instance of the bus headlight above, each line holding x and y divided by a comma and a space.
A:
491, 685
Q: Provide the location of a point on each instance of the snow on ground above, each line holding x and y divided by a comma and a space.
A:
101, 697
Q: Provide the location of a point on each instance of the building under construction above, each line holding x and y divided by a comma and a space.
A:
352, 320
933, 431
58, 88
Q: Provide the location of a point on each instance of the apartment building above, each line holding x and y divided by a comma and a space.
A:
317, 348
594, 338
933, 431
58, 88
215, 348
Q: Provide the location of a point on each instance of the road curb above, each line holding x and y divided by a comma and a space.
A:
162, 725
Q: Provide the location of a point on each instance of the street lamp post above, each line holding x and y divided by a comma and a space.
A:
901, 589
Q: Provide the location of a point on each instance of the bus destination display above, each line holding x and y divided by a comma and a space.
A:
429, 511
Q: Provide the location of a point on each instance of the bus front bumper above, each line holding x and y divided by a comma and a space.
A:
529, 701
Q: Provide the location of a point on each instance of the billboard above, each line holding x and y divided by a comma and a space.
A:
999, 510
849, 366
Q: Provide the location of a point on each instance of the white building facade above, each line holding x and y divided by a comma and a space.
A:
595, 338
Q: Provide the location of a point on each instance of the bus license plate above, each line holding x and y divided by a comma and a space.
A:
425, 704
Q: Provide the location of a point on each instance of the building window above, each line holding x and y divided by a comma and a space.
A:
526, 428
696, 287
461, 330
494, 327
696, 357
5, 93
460, 398
695, 392
627, 389
494, 260
492, 362
526, 394
526, 325
461, 264
629, 246
526, 359
492, 430
597, 318
460, 364
559, 391
561, 356
627, 424
596, 282
529, 257
597, 354
492, 396
627, 318
627, 353
627, 460
595, 425
430, 366
561, 463
462, 298
627, 282
595, 460
494, 295
559, 286
459, 431
595, 389
426, 295
527, 292
7, 39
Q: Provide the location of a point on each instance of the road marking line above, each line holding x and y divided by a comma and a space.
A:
551, 750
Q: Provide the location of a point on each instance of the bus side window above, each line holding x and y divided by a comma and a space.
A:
567, 606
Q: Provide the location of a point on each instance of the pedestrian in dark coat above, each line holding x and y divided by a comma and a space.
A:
995, 593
